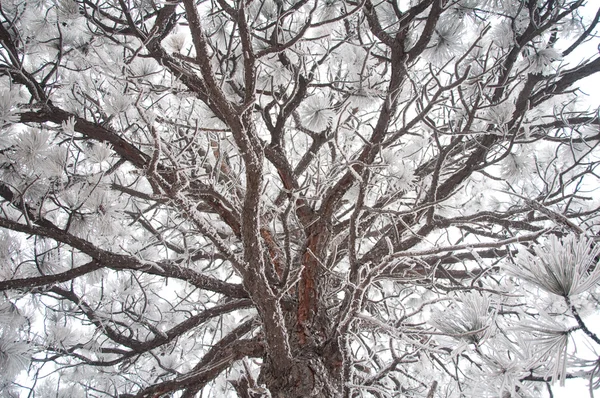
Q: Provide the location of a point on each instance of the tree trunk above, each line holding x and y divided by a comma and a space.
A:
310, 376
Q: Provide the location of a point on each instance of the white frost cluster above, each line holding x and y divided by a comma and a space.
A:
401, 172
98, 152
67, 10
518, 166
15, 353
565, 267
541, 61
446, 42
7, 107
316, 113
117, 103
9, 248
549, 340
14, 356
329, 9
472, 318
177, 42
501, 114
31, 144
501, 373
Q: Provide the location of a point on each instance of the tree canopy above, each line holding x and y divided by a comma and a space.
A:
298, 198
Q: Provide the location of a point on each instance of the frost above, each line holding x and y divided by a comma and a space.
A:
501, 114
56, 162
316, 113
176, 42
274, 75
541, 61
14, 355
32, 144
472, 320
68, 10
143, 67
128, 260
401, 174
10, 317
219, 29
329, 9
266, 9
99, 152
517, 166
9, 246
68, 126
565, 267
503, 35
8, 107
445, 44
549, 339
117, 103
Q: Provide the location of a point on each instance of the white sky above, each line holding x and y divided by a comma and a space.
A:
572, 389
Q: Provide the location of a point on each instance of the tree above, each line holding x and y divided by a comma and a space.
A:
288, 198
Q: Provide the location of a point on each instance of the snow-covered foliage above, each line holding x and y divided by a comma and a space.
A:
295, 198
